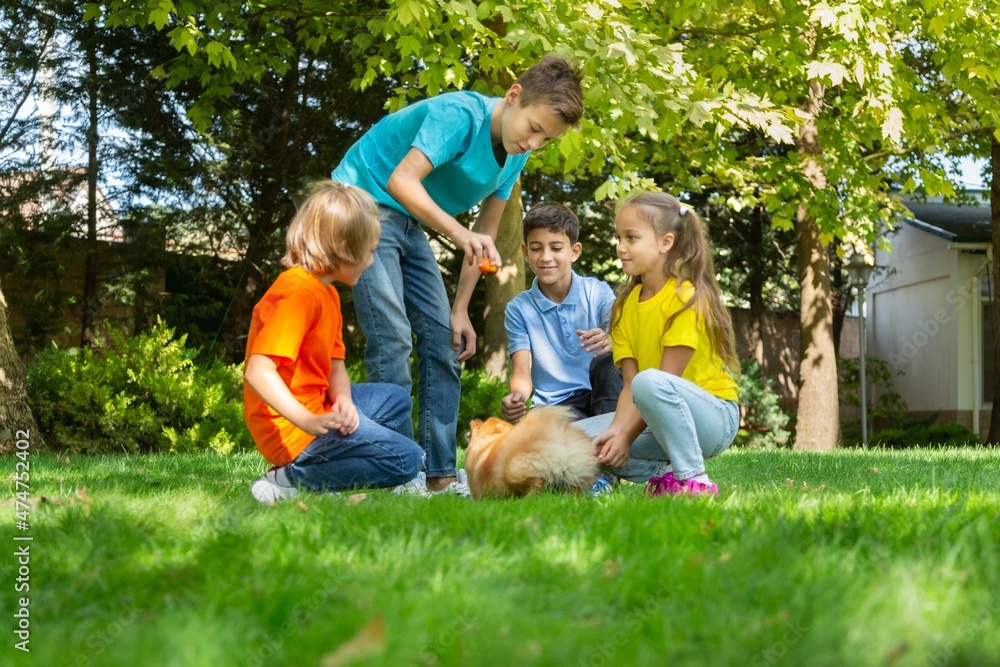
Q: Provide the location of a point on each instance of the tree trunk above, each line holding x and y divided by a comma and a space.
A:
818, 424
840, 300
90, 304
994, 435
16, 419
756, 277
504, 286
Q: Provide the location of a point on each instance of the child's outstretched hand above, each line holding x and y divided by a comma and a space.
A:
513, 407
612, 447
595, 339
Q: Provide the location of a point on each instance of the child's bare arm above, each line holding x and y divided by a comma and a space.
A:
261, 373
614, 444
405, 185
675, 359
340, 382
513, 404
487, 223
339, 392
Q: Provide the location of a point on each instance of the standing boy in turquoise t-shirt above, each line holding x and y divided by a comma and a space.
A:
426, 164
557, 330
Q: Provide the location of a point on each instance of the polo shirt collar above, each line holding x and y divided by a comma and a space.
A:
545, 304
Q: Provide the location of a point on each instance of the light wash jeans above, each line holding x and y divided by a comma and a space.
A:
684, 426
401, 301
376, 455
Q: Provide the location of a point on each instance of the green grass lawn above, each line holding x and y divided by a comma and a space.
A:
852, 558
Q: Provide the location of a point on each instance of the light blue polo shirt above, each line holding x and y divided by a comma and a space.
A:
560, 366
453, 131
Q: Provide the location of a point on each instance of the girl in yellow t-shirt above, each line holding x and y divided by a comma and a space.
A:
673, 338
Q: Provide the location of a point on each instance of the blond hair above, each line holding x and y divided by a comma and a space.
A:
689, 259
337, 224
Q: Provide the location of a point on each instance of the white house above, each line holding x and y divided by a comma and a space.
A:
929, 312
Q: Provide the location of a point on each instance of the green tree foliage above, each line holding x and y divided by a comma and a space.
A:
961, 46
844, 72
806, 111
226, 183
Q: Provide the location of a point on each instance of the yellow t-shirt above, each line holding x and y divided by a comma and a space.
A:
642, 333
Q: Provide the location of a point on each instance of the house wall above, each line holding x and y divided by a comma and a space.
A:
966, 305
926, 320
914, 324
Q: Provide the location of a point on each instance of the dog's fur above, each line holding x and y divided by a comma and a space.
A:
542, 451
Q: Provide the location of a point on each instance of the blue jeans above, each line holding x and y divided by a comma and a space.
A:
401, 301
376, 455
685, 426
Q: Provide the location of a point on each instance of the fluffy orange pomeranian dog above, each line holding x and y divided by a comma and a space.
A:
542, 451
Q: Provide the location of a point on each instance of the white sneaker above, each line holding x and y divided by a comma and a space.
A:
415, 487
273, 486
460, 487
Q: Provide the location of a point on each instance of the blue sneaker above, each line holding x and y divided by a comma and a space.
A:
604, 483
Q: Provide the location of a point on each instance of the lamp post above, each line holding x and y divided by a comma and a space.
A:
859, 271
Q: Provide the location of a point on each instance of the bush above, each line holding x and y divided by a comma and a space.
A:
886, 407
481, 395
921, 432
139, 394
763, 421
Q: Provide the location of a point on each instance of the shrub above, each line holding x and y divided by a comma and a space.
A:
885, 406
763, 421
138, 394
921, 433
481, 395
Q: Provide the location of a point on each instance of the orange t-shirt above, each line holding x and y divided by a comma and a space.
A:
298, 325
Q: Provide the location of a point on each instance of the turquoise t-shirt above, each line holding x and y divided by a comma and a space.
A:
453, 131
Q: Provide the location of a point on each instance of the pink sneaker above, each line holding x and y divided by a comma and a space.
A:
668, 484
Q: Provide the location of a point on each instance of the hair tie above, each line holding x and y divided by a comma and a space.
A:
683, 210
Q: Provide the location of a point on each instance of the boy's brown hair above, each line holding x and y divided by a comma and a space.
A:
554, 82
337, 224
553, 217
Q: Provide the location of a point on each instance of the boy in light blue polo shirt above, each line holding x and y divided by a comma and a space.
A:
424, 164
557, 330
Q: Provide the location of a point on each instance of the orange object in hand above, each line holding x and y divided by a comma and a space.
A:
487, 267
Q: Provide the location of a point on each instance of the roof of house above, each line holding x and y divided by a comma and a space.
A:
958, 224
